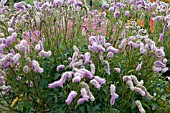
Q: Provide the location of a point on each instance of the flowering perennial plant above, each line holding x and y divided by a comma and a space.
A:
61, 56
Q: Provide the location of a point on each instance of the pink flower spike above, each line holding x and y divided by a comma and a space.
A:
117, 70
138, 68
101, 81
60, 67
70, 97
80, 101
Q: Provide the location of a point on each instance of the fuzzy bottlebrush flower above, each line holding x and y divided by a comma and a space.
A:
140, 91
114, 96
100, 80
74, 57
156, 69
76, 64
107, 67
129, 82
146, 92
112, 49
87, 57
159, 64
164, 60
105, 6
19, 78
59, 83
161, 37
76, 49
43, 53
44, 6
139, 66
135, 80
10, 30
58, 2
91, 48
2, 80
70, 2
60, 67
80, 101
26, 69
110, 54
116, 14
22, 46
117, 70
36, 67
139, 105
165, 69
84, 94
16, 57
107, 45
2, 73
111, 9
123, 43
123, 34
2, 46
5, 60
20, 6
2, 40
133, 45
31, 84
95, 83
159, 53
37, 47
77, 77
78, 3
85, 73
2, 3
92, 66
126, 13
86, 86
100, 48
92, 39
70, 97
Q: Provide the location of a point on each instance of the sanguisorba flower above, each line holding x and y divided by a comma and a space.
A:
139, 105
107, 66
70, 97
113, 94
60, 67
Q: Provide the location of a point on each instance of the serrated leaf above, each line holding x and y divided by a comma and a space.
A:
49, 99
56, 99
145, 105
95, 107
88, 108
82, 109
133, 105
61, 110
113, 110
43, 83
57, 75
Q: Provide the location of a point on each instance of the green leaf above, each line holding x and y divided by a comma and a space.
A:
96, 107
43, 83
57, 75
133, 105
61, 110
56, 99
49, 99
113, 110
82, 109
88, 108
145, 105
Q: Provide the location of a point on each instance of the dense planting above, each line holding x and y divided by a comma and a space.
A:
66, 57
